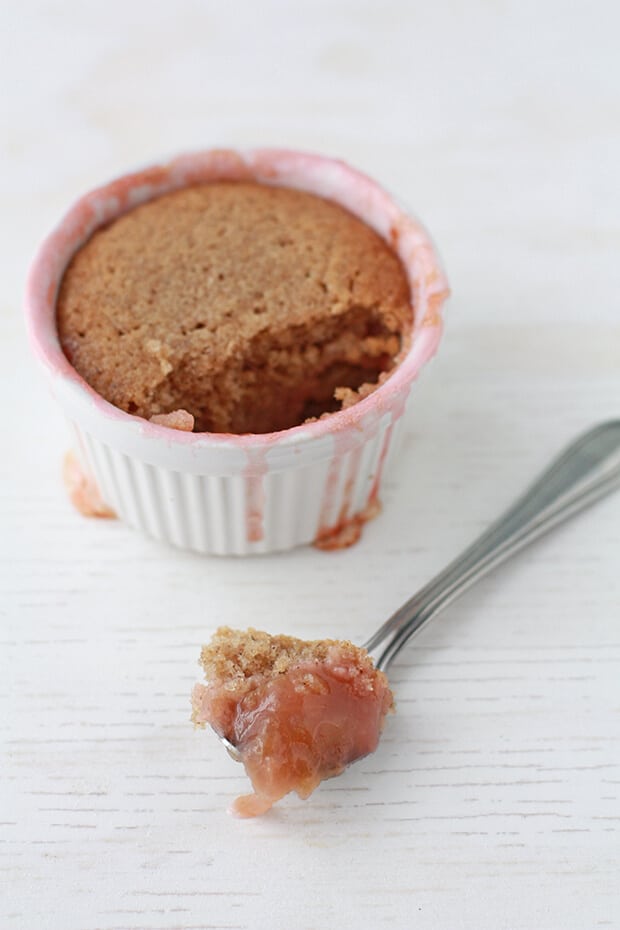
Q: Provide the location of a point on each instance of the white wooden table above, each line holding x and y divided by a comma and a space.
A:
493, 801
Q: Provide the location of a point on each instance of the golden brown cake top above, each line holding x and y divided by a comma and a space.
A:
182, 285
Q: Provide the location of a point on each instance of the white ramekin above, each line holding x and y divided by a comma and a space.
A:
220, 493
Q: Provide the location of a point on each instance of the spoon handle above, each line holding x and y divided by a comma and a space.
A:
586, 471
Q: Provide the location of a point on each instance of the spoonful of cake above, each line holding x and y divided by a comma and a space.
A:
297, 712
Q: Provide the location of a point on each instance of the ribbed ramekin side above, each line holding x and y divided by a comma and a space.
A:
227, 515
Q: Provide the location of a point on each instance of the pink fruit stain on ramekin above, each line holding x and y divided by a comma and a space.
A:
83, 491
255, 472
347, 528
398, 409
345, 443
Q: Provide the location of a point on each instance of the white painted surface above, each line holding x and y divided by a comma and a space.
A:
493, 801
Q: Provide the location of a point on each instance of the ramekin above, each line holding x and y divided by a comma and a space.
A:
238, 494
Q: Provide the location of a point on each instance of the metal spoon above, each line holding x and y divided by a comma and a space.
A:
586, 471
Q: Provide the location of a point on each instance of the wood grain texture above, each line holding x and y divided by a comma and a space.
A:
494, 798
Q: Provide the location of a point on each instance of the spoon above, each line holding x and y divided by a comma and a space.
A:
586, 471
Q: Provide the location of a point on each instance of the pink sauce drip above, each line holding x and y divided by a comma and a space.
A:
347, 528
329, 495
255, 472
83, 491
398, 408
344, 442
376, 484
349, 484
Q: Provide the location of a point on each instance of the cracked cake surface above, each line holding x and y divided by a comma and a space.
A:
251, 307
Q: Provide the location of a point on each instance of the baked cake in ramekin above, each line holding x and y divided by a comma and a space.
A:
233, 337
